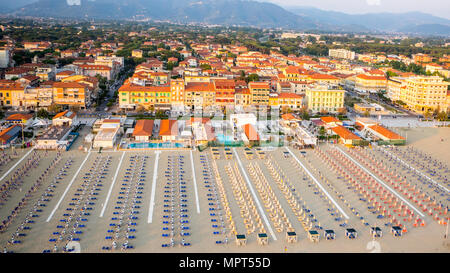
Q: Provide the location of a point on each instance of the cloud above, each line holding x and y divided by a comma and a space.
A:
373, 2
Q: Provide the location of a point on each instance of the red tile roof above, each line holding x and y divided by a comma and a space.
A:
250, 132
329, 119
144, 127
385, 132
19, 117
167, 127
344, 133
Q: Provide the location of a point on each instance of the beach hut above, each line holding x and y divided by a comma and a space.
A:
351, 233
329, 234
376, 232
291, 237
241, 240
262, 239
396, 231
314, 236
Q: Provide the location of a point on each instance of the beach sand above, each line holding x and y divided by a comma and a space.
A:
149, 235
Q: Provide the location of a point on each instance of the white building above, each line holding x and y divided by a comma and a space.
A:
4, 58
341, 54
108, 134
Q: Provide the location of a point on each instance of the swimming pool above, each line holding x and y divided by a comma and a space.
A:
225, 139
149, 145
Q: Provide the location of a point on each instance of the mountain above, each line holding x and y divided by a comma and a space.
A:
384, 22
427, 29
9, 5
232, 12
223, 12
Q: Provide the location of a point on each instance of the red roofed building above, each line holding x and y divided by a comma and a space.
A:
168, 130
386, 135
225, 90
19, 118
345, 136
251, 134
94, 70
370, 83
143, 130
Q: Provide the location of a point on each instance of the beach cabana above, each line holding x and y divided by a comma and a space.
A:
351, 233
241, 240
262, 239
329, 234
291, 237
396, 231
376, 232
314, 236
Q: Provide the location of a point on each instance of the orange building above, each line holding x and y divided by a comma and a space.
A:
71, 94
225, 90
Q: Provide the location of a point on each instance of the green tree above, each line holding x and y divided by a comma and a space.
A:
252, 78
42, 113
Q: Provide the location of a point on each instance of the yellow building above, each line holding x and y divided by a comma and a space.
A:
131, 96
194, 79
137, 53
426, 93
177, 90
8, 91
396, 88
199, 95
259, 92
325, 98
242, 97
324, 79
71, 94
290, 100
286, 100
370, 83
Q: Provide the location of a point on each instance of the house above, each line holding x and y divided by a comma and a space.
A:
251, 134
9, 134
137, 53
18, 72
55, 137
202, 130
108, 134
94, 70
345, 136
386, 135
168, 130
64, 74
29, 80
24, 119
331, 121
65, 118
143, 130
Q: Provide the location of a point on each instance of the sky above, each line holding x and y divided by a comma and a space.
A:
439, 8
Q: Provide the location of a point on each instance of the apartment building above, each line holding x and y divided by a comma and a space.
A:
325, 98
157, 97
426, 93
259, 93
341, 54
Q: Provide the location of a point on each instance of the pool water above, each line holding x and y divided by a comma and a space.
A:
149, 145
225, 139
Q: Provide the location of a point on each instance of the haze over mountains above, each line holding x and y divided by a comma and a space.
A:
231, 12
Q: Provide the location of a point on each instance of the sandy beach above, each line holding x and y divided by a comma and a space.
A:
94, 190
